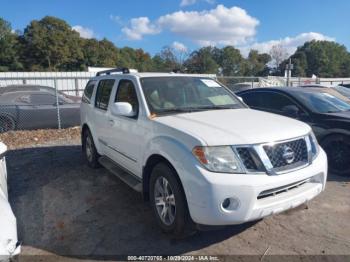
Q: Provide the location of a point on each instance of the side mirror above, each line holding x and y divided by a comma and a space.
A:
291, 111
241, 99
122, 109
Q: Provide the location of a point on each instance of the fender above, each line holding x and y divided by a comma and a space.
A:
180, 157
92, 131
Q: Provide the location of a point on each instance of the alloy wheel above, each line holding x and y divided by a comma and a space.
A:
164, 200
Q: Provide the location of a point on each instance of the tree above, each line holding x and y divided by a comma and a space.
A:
202, 62
51, 45
278, 54
230, 60
321, 58
9, 46
257, 64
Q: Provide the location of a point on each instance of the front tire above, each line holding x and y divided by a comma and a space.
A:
89, 150
168, 201
7, 124
337, 148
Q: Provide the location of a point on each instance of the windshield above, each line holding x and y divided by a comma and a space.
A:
323, 102
186, 94
343, 90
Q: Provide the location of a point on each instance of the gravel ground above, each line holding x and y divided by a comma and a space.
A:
71, 212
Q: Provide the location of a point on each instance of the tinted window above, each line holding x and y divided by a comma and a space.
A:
103, 93
126, 93
42, 99
275, 101
267, 100
89, 89
251, 99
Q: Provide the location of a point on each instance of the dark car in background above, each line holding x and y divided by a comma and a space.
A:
28, 107
327, 114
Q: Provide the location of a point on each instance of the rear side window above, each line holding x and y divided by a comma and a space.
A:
103, 93
89, 89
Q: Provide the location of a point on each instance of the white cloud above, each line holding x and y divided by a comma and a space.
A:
116, 18
84, 31
139, 27
179, 47
192, 2
290, 44
221, 25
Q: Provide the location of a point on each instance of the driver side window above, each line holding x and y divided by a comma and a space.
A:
126, 93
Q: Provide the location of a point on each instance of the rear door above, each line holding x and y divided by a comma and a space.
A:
100, 113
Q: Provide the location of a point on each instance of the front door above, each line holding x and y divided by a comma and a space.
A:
126, 133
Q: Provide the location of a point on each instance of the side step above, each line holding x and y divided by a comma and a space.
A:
128, 178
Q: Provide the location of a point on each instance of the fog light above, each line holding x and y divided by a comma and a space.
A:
230, 204
226, 203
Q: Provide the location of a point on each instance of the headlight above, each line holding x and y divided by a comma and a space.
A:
220, 159
314, 145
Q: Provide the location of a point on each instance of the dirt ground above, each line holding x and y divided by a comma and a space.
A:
71, 212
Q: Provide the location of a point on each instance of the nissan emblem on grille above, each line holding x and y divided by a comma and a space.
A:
288, 154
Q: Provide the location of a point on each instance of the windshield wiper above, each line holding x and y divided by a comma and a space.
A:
215, 107
192, 109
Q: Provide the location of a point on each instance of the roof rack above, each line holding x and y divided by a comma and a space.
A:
123, 70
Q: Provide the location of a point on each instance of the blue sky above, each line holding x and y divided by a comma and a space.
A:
189, 24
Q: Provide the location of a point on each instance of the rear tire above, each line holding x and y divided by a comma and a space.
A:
168, 202
89, 150
7, 124
337, 148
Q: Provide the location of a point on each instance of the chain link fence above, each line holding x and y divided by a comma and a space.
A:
31, 101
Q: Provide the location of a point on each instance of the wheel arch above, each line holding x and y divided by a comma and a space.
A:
85, 127
11, 117
334, 134
151, 162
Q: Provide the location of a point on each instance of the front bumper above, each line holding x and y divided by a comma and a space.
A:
206, 193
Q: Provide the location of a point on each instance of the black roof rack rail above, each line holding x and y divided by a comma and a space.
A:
123, 70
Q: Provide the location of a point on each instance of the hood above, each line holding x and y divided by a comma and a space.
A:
345, 115
236, 126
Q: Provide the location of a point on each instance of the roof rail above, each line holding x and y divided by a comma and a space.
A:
123, 70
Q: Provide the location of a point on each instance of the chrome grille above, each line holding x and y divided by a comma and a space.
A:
246, 158
278, 154
276, 158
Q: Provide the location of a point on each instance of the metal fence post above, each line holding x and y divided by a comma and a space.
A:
57, 104
76, 83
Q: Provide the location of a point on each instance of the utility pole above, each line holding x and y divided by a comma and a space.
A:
289, 68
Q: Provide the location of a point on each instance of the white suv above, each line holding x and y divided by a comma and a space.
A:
195, 151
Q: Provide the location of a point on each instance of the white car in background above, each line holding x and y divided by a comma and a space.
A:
9, 245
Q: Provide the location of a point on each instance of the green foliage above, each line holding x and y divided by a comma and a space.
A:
202, 61
9, 46
321, 58
50, 44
